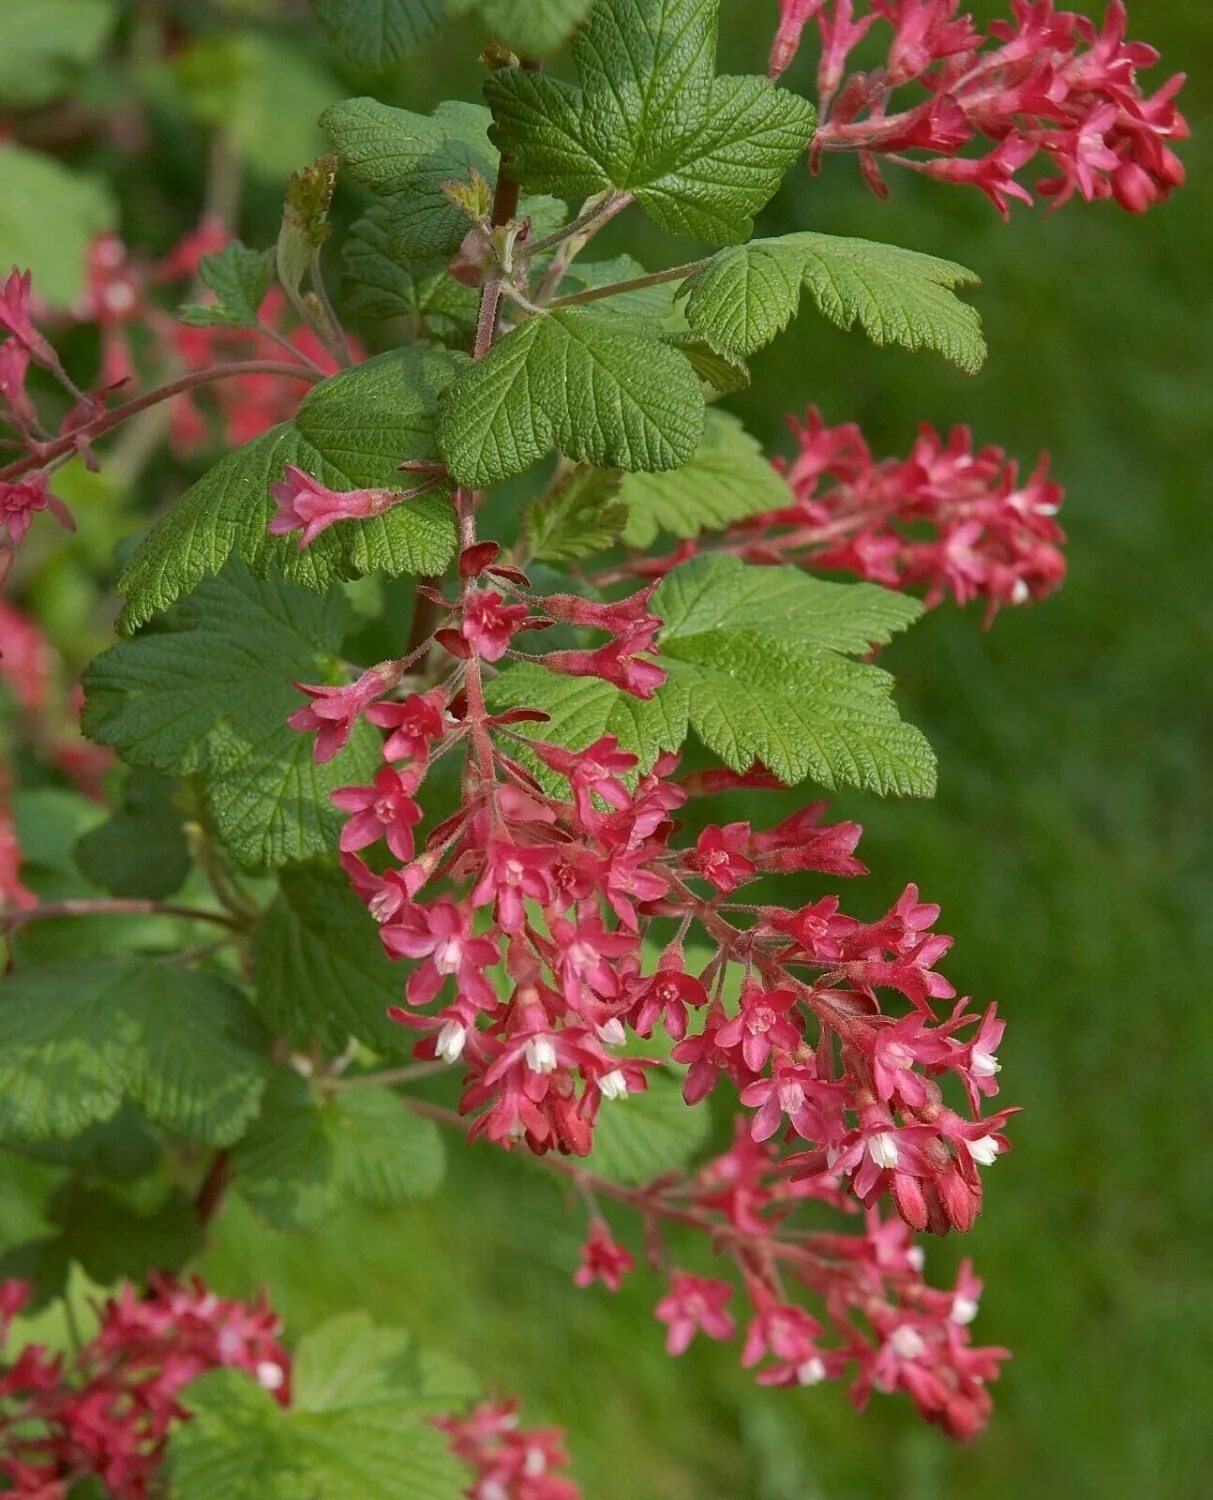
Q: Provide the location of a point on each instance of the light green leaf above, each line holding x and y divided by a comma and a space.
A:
47, 46
240, 278
581, 710
701, 154
141, 849
407, 157
755, 654
48, 218
379, 284
725, 373
210, 691
305, 1156
75, 1040
376, 33
581, 516
743, 297
727, 480
356, 1428
644, 1135
531, 27
352, 431
319, 969
604, 390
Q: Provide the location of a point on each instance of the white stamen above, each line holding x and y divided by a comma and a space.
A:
451, 1041
270, 1376
613, 1085
535, 1463
917, 1257
120, 297
611, 1033
447, 955
1020, 592
906, 1342
984, 1065
812, 1372
882, 1149
964, 1310
984, 1150
541, 1055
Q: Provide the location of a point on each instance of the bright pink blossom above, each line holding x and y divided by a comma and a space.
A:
303, 502
385, 810
334, 711
695, 1304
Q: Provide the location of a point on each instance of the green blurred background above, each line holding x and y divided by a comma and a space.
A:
1068, 846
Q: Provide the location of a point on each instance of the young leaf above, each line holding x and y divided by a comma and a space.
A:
582, 515
305, 1155
644, 1135
727, 480
75, 1040
211, 691
531, 27
743, 297
701, 154
305, 222
141, 849
604, 390
377, 33
319, 969
379, 284
352, 431
240, 278
408, 157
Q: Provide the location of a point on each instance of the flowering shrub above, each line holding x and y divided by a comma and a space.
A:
465, 870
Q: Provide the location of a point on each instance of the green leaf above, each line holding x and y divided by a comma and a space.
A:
701, 154
757, 663
604, 390
352, 432
240, 278
377, 33
210, 691
379, 284
645, 302
48, 218
583, 709
755, 654
725, 373
48, 45
75, 1040
407, 157
141, 850
727, 480
743, 297
356, 1428
582, 515
319, 969
305, 1156
531, 27
644, 1135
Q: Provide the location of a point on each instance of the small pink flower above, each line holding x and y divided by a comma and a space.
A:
415, 723
721, 857
335, 711
489, 623
305, 502
602, 1259
384, 810
695, 1304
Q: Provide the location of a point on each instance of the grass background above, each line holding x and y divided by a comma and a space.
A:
1069, 847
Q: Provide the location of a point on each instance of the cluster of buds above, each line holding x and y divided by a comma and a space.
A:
950, 518
1046, 81
108, 1412
509, 1462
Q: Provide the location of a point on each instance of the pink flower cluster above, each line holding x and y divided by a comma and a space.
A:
509, 1462
1045, 82
950, 518
879, 1326
109, 1411
527, 955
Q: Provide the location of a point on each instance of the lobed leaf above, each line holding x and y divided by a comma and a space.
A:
210, 692
240, 278
744, 296
603, 390
582, 515
701, 154
376, 33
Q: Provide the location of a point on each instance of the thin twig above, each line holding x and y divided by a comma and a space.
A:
21, 916
636, 284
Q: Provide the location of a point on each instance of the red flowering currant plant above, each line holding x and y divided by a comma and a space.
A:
387, 864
